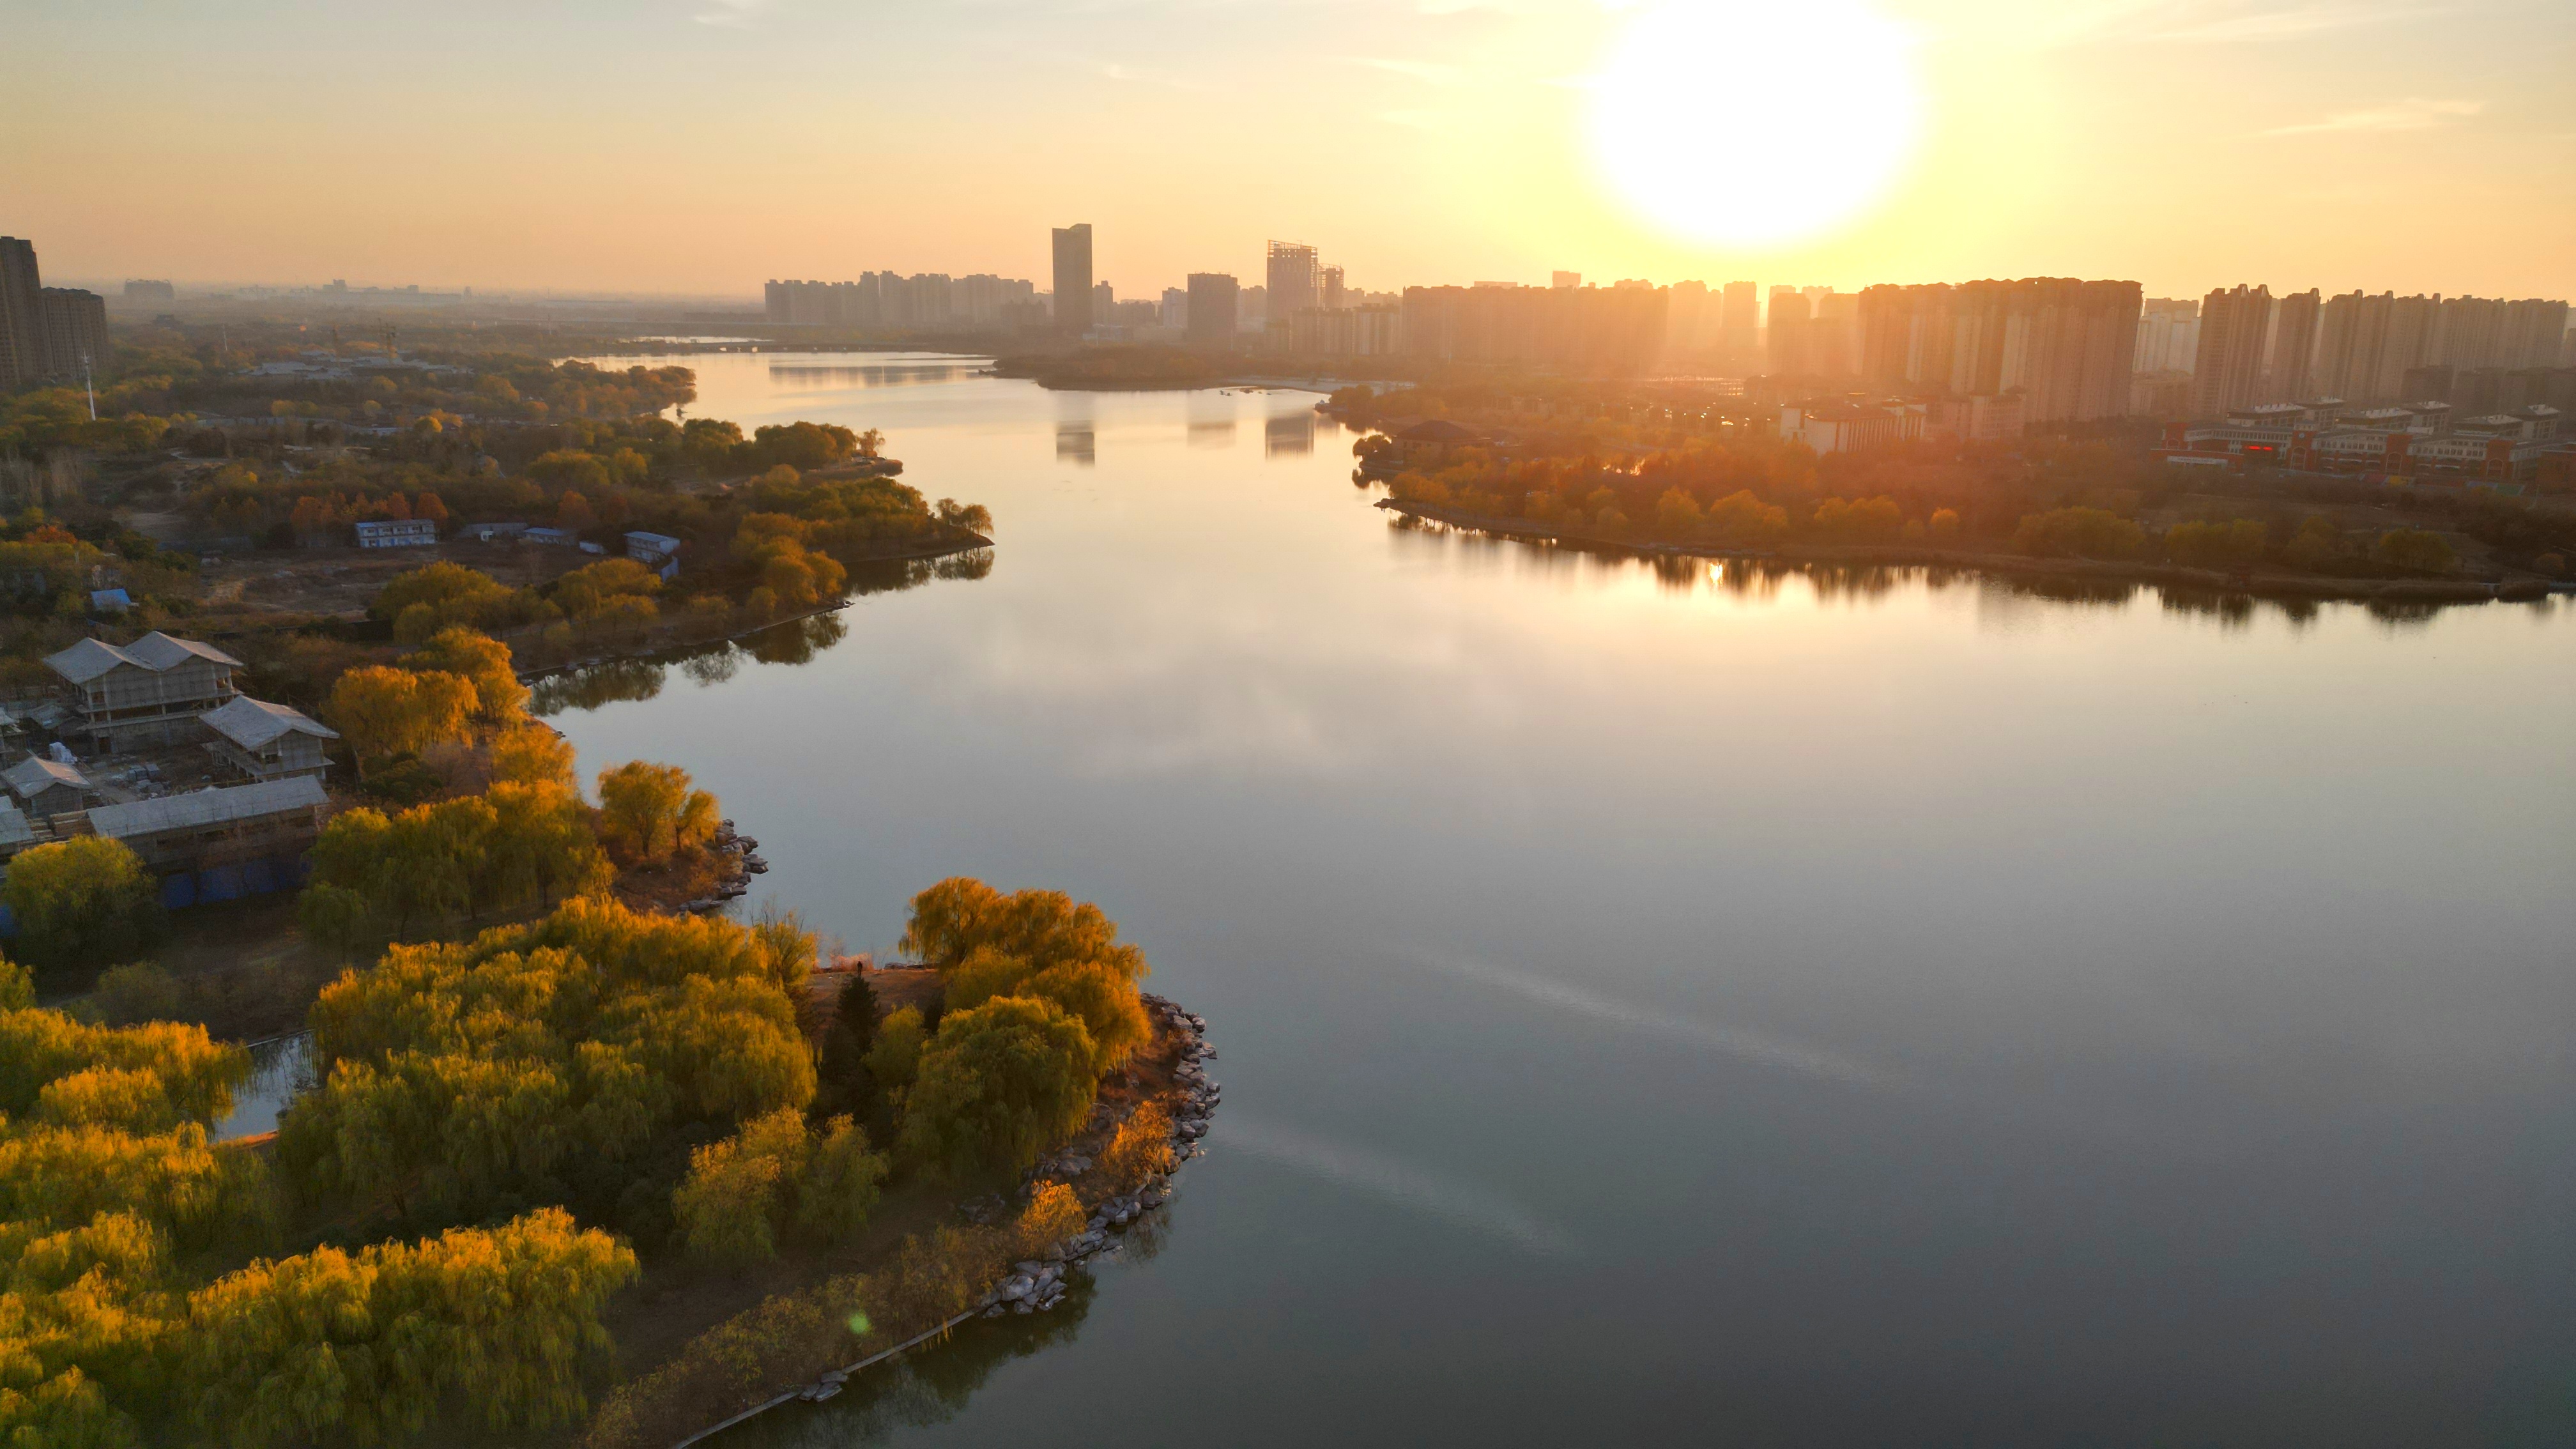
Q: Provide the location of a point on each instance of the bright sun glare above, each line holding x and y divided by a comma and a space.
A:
1754, 122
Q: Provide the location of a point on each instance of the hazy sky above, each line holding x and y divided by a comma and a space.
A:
704, 145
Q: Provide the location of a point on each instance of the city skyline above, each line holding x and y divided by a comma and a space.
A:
2051, 143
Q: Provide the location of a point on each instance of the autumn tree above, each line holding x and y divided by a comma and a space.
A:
86, 901
385, 712
485, 662
532, 754
773, 1179
648, 812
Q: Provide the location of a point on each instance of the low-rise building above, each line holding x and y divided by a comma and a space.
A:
264, 741
221, 844
1841, 427
149, 692
659, 552
42, 787
398, 533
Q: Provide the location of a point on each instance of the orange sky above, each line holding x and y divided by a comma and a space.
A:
704, 145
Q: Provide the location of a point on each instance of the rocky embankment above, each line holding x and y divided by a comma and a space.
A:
737, 861
1038, 1284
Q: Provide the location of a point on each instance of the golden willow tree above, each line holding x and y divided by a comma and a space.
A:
114, 1334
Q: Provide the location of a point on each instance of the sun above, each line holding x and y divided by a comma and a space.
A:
1751, 123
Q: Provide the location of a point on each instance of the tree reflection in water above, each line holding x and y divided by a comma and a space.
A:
927, 1386
797, 641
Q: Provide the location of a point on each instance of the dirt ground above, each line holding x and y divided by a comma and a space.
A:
342, 581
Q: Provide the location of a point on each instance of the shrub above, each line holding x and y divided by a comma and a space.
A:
2078, 532
1142, 1148
143, 991
1052, 1216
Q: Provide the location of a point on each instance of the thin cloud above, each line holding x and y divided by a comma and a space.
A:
1758, 1047
2412, 114
2196, 22
1130, 75
1399, 1182
1421, 70
731, 14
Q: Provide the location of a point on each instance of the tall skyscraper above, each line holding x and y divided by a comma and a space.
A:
2067, 346
2290, 351
1740, 324
1786, 352
1291, 280
1212, 299
2227, 372
75, 325
2366, 344
1073, 279
22, 314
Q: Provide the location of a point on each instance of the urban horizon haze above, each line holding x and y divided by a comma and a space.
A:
698, 148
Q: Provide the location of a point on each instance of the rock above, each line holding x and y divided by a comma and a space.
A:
1098, 1222
1021, 1308
996, 1311
1017, 1287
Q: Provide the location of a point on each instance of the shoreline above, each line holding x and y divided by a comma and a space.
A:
1039, 1285
650, 648
2059, 570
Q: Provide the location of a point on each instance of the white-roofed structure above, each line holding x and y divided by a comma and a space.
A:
149, 692
268, 741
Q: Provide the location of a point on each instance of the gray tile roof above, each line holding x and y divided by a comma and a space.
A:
35, 773
14, 829
156, 651
252, 723
201, 808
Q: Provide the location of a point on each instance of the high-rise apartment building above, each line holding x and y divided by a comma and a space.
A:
1740, 323
928, 301
1565, 281
75, 324
1291, 278
1594, 329
2290, 347
143, 291
1104, 303
1073, 279
2227, 370
2366, 344
2168, 335
22, 314
1785, 349
1213, 296
1176, 307
2067, 346
1334, 294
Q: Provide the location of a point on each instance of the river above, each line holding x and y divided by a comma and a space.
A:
1660, 1006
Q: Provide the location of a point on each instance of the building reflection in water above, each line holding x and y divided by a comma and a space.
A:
1076, 444
1289, 436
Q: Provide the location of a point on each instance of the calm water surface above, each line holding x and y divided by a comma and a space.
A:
1662, 1008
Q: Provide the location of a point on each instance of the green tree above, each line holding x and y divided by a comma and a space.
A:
842, 1070
2078, 532
997, 1085
2415, 550
86, 901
